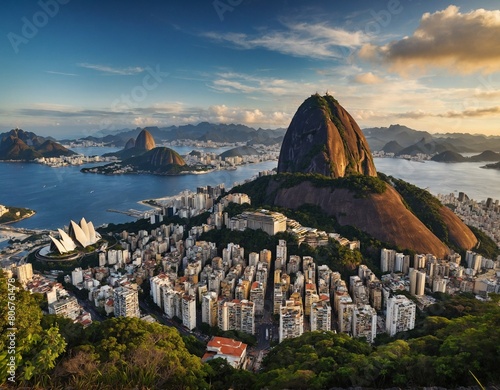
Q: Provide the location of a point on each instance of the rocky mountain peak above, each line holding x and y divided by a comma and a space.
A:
145, 141
324, 138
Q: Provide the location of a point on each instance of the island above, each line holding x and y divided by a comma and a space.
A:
492, 166
10, 214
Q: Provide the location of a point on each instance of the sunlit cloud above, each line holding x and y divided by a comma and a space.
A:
368, 78
458, 42
297, 39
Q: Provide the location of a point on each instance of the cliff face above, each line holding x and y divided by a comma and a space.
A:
145, 141
383, 216
324, 138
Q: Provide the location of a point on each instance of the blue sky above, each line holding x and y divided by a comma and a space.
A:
72, 67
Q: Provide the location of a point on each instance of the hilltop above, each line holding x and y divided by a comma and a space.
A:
324, 138
326, 162
142, 155
18, 144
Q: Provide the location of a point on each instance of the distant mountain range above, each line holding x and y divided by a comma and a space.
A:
203, 131
450, 156
18, 144
401, 140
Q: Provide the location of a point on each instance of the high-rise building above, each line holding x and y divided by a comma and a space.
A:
321, 314
126, 302
400, 315
291, 320
68, 308
417, 282
387, 259
247, 316
344, 315
281, 254
76, 276
209, 308
257, 296
236, 315
189, 311
156, 283
364, 322
311, 296
24, 273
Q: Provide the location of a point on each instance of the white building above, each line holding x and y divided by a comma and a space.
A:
24, 273
209, 308
400, 314
321, 314
126, 302
189, 311
364, 322
291, 320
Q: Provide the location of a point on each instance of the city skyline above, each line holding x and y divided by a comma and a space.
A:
72, 68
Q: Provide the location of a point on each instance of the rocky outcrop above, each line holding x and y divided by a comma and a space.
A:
383, 216
145, 141
458, 233
130, 144
159, 157
324, 138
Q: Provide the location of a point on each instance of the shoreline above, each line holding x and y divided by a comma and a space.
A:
32, 213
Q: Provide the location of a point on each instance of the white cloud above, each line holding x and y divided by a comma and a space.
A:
368, 78
449, 39
112, 70
231, 82
299, 40
60, 73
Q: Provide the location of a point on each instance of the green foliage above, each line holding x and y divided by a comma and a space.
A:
486, 247
129, 353
12, 215
36, 349
424, 205
442, 356
361, 185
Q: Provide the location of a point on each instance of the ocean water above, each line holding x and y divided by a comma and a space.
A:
444, 178
60, 194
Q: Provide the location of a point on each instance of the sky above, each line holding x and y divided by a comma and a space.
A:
69, 68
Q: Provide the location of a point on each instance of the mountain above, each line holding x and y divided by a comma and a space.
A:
325, 163
145, 141
492, 166
324, 138
158, 160
130, 144
239, 151
203, 131
392, 147
378, 137
449, 156
425, 146
487, 155
22, 145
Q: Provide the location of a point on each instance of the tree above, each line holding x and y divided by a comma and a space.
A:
35, 349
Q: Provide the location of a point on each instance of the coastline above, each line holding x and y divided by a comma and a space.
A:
29, 215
